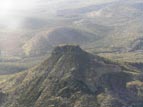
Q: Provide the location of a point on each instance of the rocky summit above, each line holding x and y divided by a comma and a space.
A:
71, 77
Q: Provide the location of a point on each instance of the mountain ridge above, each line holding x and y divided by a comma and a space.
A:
70, 77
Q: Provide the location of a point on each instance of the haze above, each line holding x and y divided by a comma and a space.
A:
14, 12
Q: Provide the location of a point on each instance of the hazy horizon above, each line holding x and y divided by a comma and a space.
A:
14, 12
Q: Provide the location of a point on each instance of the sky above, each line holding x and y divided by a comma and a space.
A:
13, 12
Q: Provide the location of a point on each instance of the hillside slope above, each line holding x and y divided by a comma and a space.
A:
45, 41
71, 77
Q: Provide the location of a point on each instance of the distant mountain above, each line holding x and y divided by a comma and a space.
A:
124, 19
71, 77
45, 41
110, 27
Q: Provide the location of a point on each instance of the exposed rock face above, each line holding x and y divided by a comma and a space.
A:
67, 49
71, 77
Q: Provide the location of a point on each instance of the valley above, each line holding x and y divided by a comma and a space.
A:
71, 53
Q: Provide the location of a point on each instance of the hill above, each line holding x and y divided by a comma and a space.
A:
44, 42
71, 77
